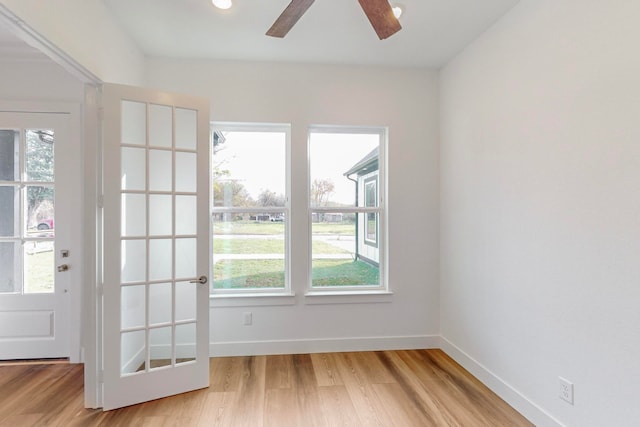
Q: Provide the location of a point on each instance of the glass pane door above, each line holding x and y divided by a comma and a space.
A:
158, 250
156, 245
33, 295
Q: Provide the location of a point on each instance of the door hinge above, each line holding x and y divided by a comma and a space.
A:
101, 201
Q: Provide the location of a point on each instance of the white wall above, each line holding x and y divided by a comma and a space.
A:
38, 80
86, 31
540, 234
403, 99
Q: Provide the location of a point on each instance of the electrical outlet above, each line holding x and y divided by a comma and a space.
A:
566, 390
248, 318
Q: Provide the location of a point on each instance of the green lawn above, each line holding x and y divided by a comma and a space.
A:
341, 228
39, 274
270, 273
328, 272
248, 274
266, 246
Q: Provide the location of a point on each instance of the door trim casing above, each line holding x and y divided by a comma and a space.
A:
76, 274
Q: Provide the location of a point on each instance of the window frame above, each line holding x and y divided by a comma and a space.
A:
370, 242
21, 185
285, 291
325, 294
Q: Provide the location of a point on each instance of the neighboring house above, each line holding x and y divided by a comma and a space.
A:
327, 217
366, 180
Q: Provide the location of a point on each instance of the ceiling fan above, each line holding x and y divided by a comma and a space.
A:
379, 13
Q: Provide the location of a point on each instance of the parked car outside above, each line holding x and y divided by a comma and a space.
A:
46, 224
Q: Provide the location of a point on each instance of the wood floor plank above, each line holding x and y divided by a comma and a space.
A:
441, 390
366, 403
400, 407
20, 420
217, 409
473, 391
249, 409
337, 406
388, 388
445, 391
9, 373
62, 386
179, 406
18, 395
369, 365
224, 374
306, 390
281, 408
56, 383
279, 372
326, 370
431, 408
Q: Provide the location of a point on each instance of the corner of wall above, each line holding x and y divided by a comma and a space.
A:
504, 390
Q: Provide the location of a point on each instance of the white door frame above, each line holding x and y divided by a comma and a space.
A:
91, 310
85, 132
76, 274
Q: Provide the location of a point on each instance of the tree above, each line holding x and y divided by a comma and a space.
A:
321, 189
39, 152
226, 191
218, 146
231, 193
270, 198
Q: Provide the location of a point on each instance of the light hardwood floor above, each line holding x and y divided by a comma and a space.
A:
387, 388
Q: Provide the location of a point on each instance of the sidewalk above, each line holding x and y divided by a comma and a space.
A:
221, 257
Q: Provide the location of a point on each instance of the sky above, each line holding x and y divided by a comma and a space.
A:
246, 154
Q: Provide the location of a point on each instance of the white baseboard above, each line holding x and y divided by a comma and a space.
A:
256, 348
134, 362
163, 351
513, 397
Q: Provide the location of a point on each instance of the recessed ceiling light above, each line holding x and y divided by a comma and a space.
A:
222, 4
397, 11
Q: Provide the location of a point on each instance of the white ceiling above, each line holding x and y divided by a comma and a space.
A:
332, 31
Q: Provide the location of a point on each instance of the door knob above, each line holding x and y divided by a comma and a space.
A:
63, 267
200, 280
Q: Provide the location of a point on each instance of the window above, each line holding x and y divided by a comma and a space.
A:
346, 208
27, 223
250, 208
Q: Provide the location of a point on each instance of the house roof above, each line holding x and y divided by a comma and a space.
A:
367, 164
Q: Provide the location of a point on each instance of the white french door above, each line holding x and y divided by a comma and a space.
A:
36, 174
156, 244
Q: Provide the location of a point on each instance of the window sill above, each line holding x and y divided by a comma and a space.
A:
251, 299
353, 297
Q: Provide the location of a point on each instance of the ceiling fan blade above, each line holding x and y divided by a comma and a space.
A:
289, 17
381, 17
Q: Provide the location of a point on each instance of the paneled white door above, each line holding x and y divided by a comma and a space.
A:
156, 244
35, 176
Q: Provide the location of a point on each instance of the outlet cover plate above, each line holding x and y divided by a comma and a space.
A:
248, 318
566, 390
